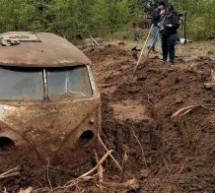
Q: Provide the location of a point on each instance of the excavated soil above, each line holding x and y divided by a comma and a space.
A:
162, 117
178, 150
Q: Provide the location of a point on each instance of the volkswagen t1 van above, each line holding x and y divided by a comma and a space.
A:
49, 102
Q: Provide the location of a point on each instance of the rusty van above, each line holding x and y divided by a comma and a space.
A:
49, 102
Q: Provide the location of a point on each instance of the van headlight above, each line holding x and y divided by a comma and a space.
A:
86, 138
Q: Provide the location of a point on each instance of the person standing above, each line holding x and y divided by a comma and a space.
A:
156, 17
168, 30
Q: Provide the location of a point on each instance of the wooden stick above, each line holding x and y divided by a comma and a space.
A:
184, 110
94, 41
84, 176
5, 190
100, 172
28, 190
141, 53
143, 154
124, 161
70, 184
17, 168
105, 147
11, 173
47, 174
97, 165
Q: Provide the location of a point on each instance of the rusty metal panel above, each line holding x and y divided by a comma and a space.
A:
52, 51
50, 129
36, 130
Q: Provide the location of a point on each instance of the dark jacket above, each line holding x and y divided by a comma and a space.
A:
165, 29
156, 16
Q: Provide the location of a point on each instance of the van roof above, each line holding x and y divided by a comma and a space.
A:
40, 50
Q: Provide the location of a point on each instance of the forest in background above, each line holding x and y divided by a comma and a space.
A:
75, 19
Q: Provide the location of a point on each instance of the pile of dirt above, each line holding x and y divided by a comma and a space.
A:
162, 118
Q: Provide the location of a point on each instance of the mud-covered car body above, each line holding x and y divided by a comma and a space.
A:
49, 103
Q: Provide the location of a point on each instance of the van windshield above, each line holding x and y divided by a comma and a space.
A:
68, 83
21, 84
17, 83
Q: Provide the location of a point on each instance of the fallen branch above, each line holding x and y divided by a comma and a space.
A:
71, 184
5, 190
28, 190
143, 154
11, 173
83, 177
184, 110
124, 162
112, 157
47, 173
97, 165
100, 172
94, 41
212, 58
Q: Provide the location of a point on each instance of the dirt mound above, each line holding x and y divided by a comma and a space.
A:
174, 141
163, 118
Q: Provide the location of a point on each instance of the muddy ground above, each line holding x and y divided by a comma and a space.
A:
162, 116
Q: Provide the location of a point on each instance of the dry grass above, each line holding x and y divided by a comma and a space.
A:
205, 48
194, 49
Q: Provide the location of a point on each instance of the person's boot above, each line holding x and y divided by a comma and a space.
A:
172, 62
